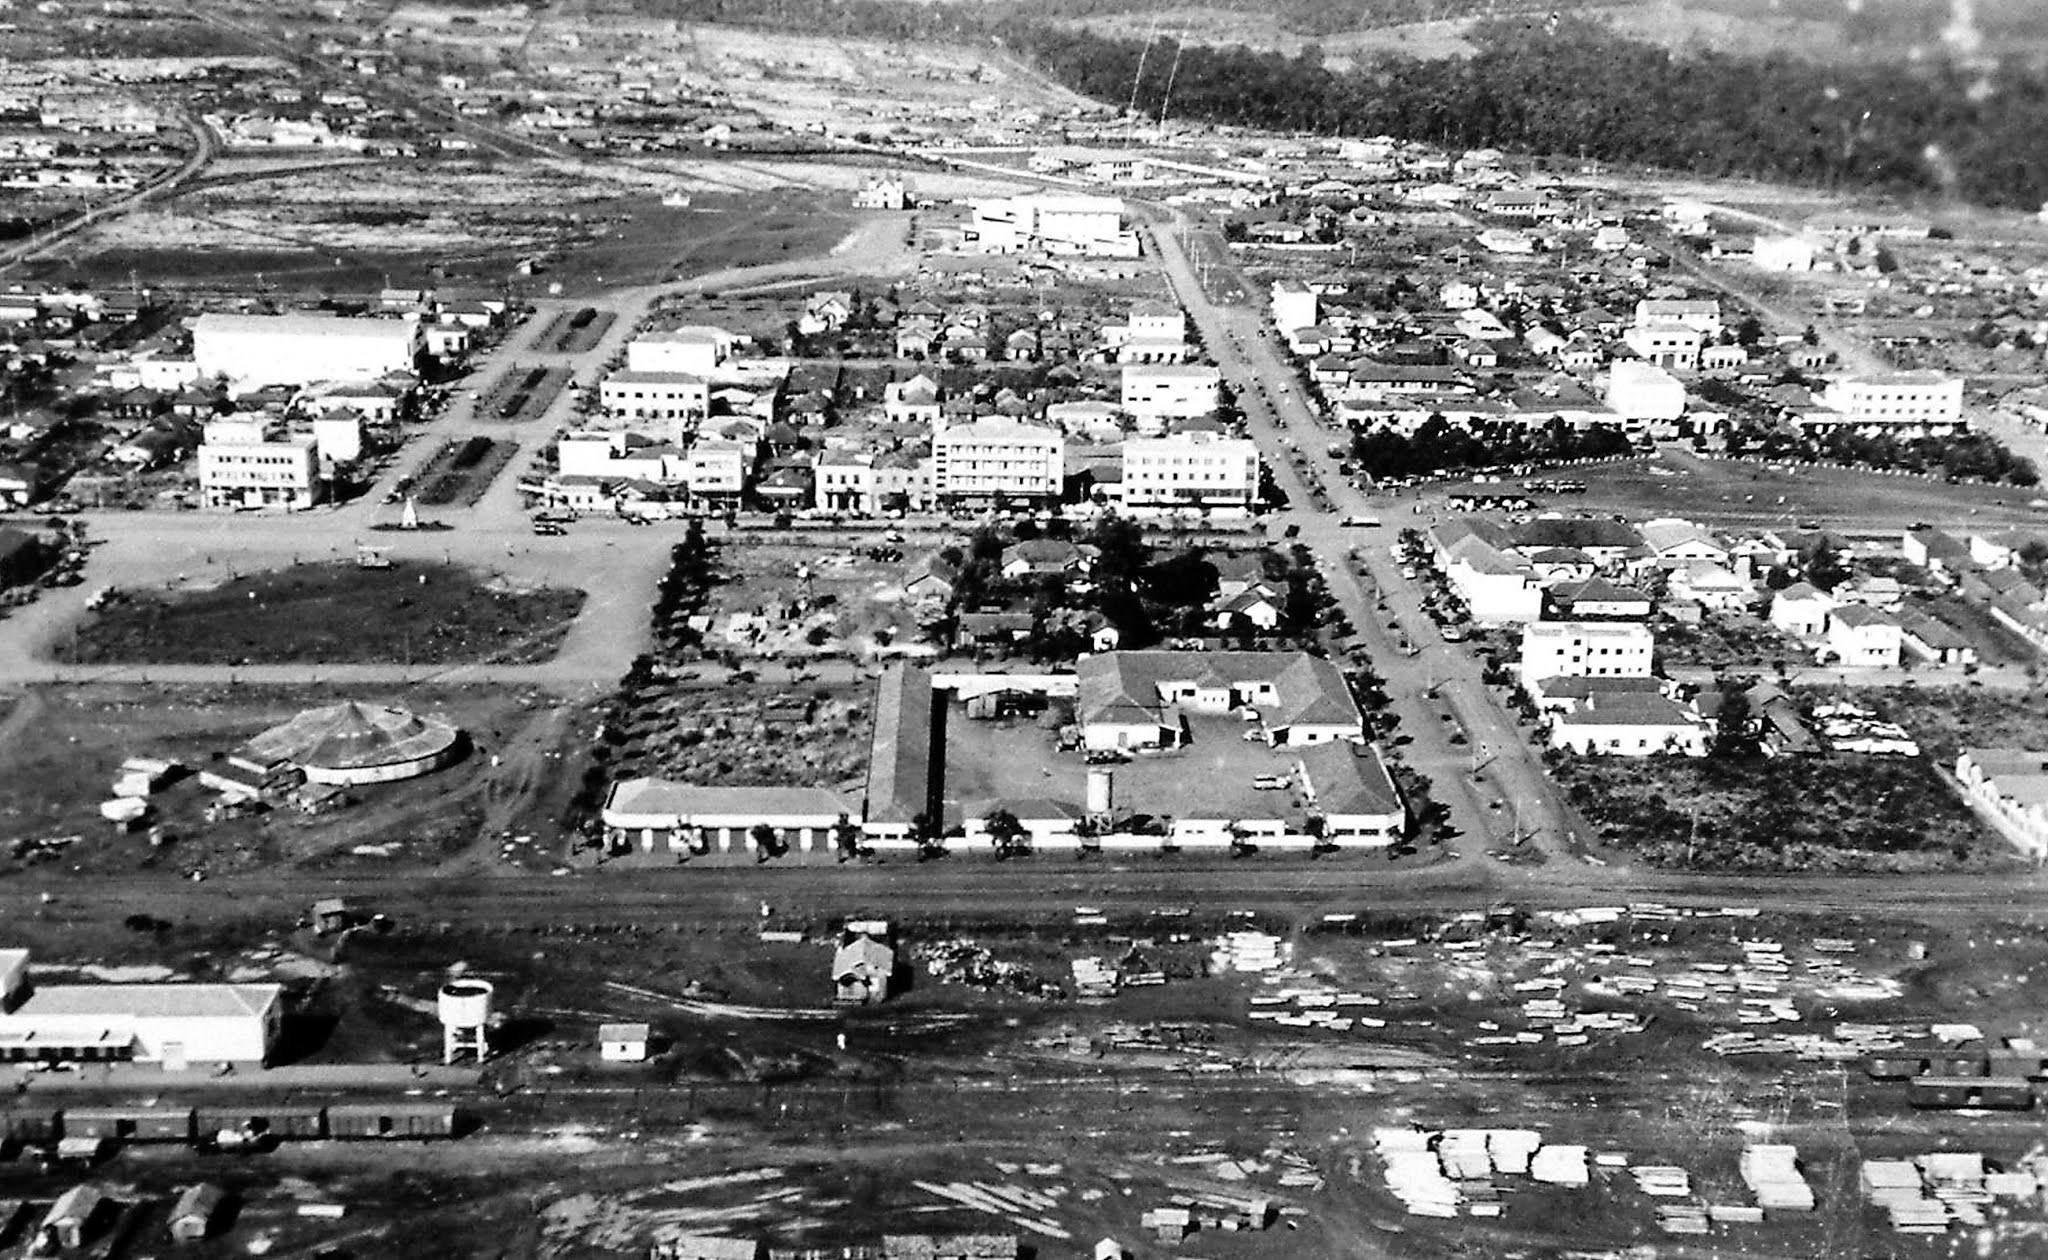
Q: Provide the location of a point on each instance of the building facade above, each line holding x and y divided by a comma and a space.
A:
1202, 471
998, 458
248, 464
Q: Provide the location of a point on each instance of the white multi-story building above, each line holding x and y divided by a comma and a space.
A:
678, 398
1204, 471
611, 453
249, 463
998, 457
1674, 346
1055, 223
1703, 315
867, 484
694, 351
1585, 649
1295, 305
1162, 390
1923, 400
1156, 332
716, 469
1640, 392
257, 350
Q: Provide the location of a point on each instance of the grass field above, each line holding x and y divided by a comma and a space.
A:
1845, 813
422, 614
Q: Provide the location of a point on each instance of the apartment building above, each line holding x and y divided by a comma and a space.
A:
251, 463
1918, 400
1205, 471
1585, 649
1171, 390
676, 398
998, 458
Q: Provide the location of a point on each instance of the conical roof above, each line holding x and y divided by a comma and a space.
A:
352, 735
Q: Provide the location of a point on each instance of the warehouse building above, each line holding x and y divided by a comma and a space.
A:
175, 1025
299, 349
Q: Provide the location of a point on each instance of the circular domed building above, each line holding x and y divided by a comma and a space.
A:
350, 743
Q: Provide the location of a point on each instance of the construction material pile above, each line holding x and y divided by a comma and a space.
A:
1772, 1174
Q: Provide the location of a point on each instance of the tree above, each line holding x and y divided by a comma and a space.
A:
1732, 734
1822, 565
846, 838
767, 842
1005, 831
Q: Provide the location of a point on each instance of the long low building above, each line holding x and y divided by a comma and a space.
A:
301, 348
2009, 785
685, 818
175, 1025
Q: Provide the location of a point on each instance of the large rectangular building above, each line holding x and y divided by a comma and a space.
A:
1915, 400
174, 1025
1055, 223
675, 398
1203, 471
246, 464
1136, 699
998, 458
1585, 649
1182, 390
300, 349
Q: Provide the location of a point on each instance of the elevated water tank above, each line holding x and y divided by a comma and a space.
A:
465, 1009
1101, 791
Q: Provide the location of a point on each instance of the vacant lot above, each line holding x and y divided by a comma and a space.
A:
422, 614
1808, 814
1947, 720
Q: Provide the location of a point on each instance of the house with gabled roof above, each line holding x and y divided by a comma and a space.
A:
1141, 699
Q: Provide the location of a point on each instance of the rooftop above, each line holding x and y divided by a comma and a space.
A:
148, 1001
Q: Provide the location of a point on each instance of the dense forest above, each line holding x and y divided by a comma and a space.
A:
1559, 85
1574, 87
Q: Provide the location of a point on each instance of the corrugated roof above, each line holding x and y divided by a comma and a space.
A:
900, 755
1349, 780
663, 798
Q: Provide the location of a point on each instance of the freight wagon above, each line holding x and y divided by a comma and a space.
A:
233, 1125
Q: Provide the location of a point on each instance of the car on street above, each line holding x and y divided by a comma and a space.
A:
1270, 782
1360, 522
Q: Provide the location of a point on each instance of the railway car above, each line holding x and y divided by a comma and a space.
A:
260, 1121
400, 1120
129, 1124
32, 1126
1955, 1093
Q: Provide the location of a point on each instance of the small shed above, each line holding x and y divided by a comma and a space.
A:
707, 1247
331, 914
193, 1214
73, 1216
623, 1043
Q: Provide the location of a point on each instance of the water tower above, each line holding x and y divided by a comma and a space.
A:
1101, 792
465, 1008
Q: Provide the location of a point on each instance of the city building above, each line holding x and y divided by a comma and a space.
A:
685, 818
1199, 470
1349, 788
1171, 390
1640, 392
1782, 253
1294, 306
173, 1025
2010, 786
692, 351
1672, 346
1585, 649
252, 463
299, 349
1930, 401
1801, 610
676, 397
1054, 223
998, 458
1142, 699
1703, 315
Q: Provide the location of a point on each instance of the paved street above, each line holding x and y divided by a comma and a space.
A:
1283, 423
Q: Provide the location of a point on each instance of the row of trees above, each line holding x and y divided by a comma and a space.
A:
1440, 446
1962, 456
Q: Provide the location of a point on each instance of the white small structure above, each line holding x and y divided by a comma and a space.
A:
1782, 253
624, 1043
465, 1010
1639, 391
71, 1218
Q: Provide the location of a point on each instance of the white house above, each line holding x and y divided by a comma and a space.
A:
1137, 699
623, 1043
1801, 610
1711, 586
1673, 346
1585, 649
1782, 253
1629, 724
1703, 315
1498, 587
1863, 637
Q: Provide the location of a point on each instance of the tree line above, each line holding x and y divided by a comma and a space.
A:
1573, 86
